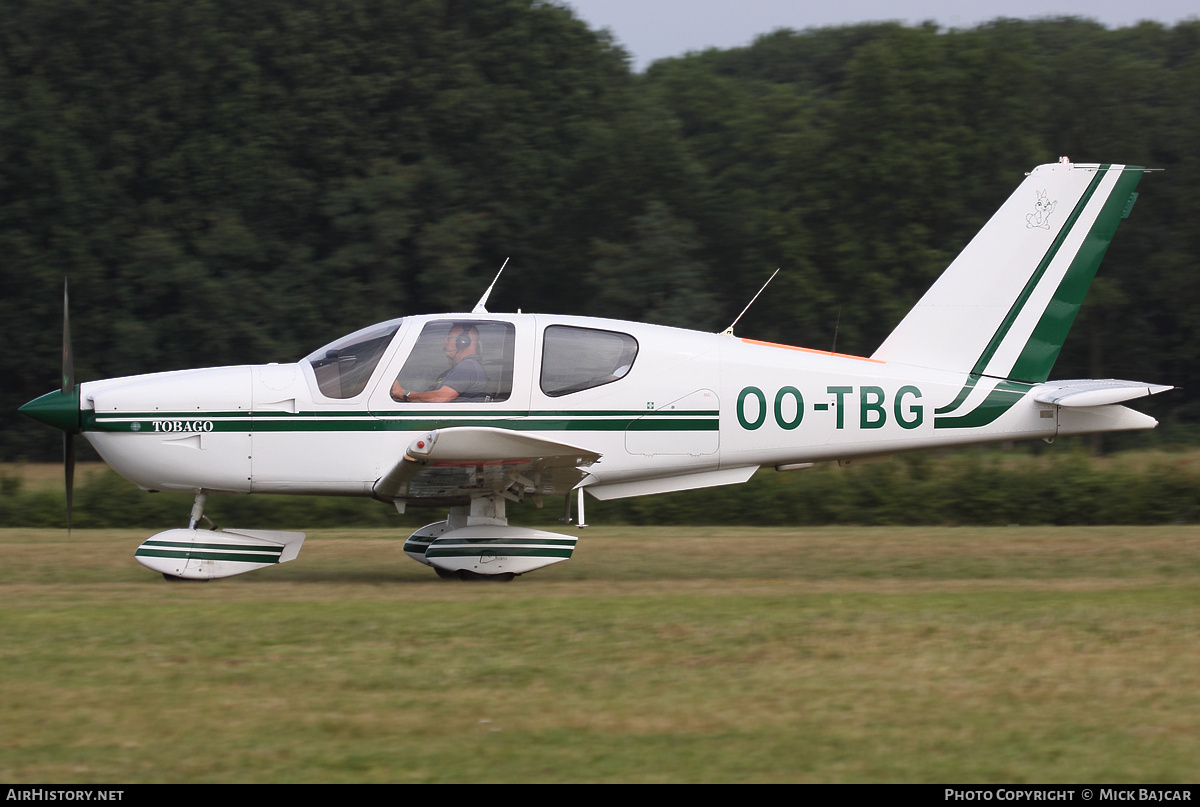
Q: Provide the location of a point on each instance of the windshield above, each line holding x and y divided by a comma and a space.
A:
344, 367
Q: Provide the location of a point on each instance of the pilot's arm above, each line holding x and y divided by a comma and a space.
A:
440, 395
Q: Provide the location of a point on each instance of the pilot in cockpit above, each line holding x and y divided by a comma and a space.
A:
464, 380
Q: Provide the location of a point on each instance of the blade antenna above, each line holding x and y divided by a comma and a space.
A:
479, 306
729, 331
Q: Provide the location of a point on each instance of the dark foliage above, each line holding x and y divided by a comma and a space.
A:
228, 182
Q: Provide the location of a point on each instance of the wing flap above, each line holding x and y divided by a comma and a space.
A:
450, 466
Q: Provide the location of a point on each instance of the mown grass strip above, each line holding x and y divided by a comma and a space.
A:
1003, 655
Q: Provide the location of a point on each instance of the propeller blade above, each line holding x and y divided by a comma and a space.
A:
68, 360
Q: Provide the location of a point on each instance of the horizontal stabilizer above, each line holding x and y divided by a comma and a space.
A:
1094, 419
1094, 392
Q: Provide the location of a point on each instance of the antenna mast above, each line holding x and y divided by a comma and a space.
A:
729, 331
479, 306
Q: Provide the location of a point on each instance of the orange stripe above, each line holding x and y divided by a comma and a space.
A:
810, 350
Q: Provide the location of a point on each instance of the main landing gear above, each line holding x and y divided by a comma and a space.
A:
475, 542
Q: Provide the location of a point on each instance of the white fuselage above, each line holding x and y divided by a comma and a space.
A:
694, 409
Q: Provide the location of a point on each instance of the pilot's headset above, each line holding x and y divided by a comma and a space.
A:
463, 340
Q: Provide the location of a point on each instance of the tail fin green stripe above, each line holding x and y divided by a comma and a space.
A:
1040, 352
1036, 278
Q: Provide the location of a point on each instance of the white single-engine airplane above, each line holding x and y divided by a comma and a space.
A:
471, 411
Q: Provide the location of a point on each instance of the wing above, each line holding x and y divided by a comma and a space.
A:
451, 466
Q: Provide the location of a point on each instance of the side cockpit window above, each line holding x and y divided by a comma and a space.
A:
575, 359
344, 367
458, 361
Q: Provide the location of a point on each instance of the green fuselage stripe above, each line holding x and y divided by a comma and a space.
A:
184, 424
1000, 400
500, 551
958, 399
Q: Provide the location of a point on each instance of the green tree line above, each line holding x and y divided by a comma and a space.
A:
230, 182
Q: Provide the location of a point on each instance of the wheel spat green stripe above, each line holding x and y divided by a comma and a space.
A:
500, 551
193, 555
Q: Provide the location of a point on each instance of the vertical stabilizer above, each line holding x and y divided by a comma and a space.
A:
1004, 306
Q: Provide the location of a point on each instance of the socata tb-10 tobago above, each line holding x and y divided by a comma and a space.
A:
471, 411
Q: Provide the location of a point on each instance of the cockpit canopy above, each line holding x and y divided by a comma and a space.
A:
573, 358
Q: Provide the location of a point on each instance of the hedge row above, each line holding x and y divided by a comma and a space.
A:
969, 488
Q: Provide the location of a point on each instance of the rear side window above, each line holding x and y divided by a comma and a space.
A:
575, 359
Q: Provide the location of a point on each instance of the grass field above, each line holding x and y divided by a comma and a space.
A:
655, 655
